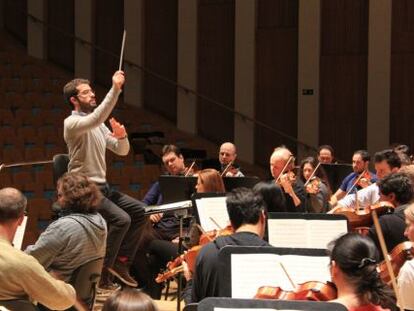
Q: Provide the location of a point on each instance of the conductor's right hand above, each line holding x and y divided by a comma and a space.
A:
118, 79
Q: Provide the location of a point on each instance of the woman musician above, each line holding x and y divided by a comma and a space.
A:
316, 186
353, 265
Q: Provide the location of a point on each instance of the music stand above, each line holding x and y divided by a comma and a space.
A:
210, 303
176, 188
336, 173
231, 183
228, 255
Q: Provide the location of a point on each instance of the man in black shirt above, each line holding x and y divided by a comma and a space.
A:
396, 188
247, 216
293, 190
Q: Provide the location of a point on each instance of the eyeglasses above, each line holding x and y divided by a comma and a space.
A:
86, 92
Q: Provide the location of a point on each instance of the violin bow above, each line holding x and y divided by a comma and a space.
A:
227, 168
189, 169
284, 168
287, 275
204, 232
2, 165
387, 260
356, 182
313, 174
216, 223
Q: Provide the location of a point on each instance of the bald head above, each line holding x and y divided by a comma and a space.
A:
278, 160
227, 153
12, 204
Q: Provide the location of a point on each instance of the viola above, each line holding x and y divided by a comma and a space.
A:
311, 290
398, 256
176, 266
362, 217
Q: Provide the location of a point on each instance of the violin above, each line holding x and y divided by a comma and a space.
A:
230, 170
398, 256
312, 186
176, 266
365, 180
311, 290
362, 217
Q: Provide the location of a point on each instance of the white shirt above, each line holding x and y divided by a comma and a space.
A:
406, 284
366, 197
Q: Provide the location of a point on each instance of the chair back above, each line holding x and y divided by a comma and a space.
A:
60, 165
85, 280
18, 305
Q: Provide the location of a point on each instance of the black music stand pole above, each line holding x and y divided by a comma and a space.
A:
180, 214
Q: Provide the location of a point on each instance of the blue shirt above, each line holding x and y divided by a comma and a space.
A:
350, 180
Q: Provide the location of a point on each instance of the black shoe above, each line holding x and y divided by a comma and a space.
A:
121, 271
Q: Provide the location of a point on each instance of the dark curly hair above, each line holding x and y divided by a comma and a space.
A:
79, 194
357, 256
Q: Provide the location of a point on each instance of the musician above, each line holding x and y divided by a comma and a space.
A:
317, 189
326, 154
87, 139
166, 225
386, 162
360, 163
79, 236
353, 271
228, 154
293, 189
406, 275
247, 216
396, 188
22, 277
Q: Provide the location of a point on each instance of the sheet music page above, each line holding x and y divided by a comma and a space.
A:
251, 271
321, 232
213, 208
287, 232
307, 268
18, 237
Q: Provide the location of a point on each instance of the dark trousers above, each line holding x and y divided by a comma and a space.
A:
124, 216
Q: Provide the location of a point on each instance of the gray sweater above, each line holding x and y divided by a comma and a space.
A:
69, 242
87, 138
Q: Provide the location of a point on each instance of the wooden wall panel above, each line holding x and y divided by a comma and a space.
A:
15, 18
109, 26
276, 75
343, 75
61, 47
215, 73
160, 56
402, 69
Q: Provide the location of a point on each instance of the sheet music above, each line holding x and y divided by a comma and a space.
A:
18, 237
287, 232
166, 207
324, 231
212, 208
251, 271
304, 233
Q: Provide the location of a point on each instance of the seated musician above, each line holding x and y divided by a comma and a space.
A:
317, 189
360, 163
386, 162
247, 216
77, 237
293, 189
406, 276
22, 277
326, 154
227, 155
396, 188
353, 271
159, 251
